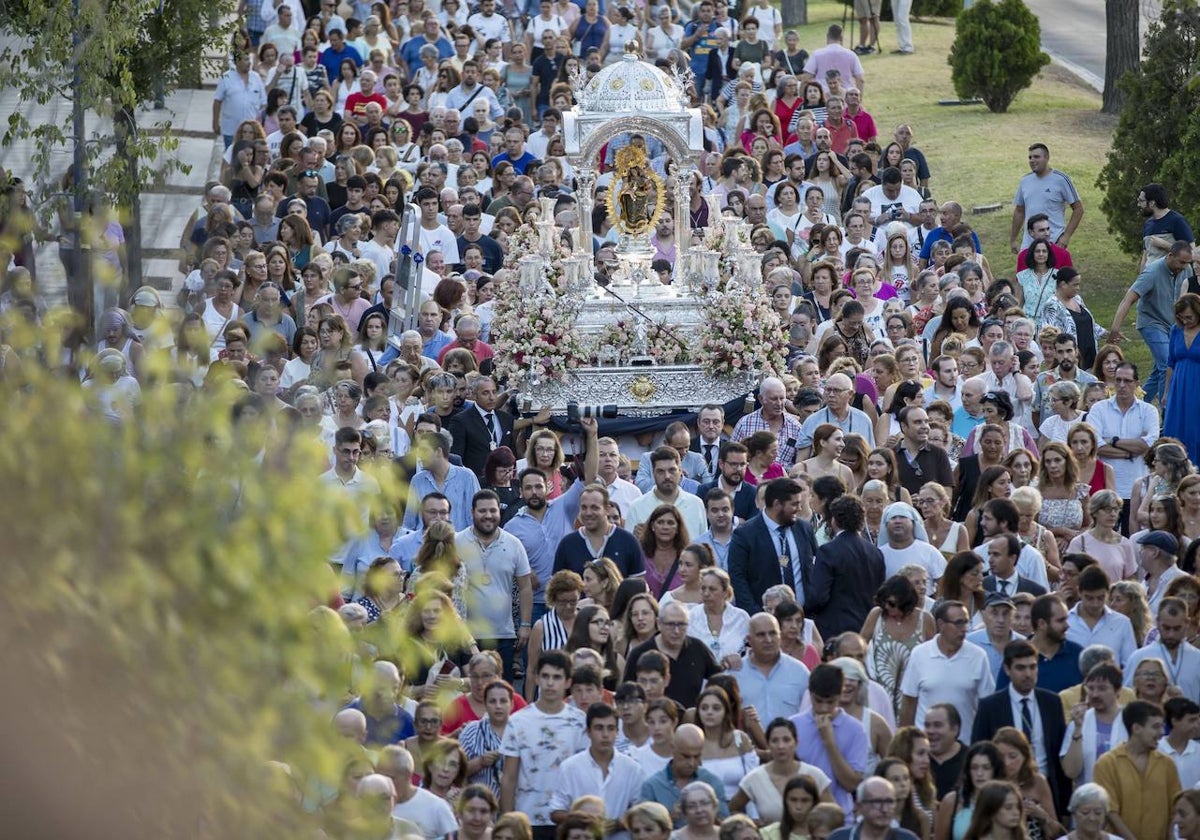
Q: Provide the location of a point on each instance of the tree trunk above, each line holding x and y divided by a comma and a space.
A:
1123, 51
125, 127
795, 13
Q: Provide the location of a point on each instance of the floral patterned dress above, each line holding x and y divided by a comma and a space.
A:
887, 658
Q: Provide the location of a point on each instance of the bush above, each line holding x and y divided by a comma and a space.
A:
1158, 128
997, 52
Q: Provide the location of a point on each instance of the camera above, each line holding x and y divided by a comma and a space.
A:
897, 213
575, 412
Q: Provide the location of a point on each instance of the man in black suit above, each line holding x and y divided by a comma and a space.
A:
710, 422
1035, 711
773, 547
479, 430
847, 572
731, 478
1002, 553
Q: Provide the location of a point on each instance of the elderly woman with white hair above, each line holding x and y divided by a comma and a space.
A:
699, 804
1063, 403
1089, 806
854, 702
117, 393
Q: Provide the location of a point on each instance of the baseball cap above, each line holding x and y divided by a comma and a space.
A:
995, 599
1160, 540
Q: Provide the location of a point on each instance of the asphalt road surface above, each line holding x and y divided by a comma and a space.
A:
1073, 32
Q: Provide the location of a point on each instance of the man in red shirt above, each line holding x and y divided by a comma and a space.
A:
841, 128
356, 103
1039, 228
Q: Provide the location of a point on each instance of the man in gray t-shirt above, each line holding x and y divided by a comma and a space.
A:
1044, 190
492, 559
1155, 291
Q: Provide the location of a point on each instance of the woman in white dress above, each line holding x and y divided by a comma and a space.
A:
728, 751
664, 37
761, 791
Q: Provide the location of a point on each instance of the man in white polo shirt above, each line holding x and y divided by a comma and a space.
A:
946, 669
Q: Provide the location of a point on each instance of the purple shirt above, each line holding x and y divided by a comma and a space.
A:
851, 740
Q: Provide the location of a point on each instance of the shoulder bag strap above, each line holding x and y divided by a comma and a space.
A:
667, 580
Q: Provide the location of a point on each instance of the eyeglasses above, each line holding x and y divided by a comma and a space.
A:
674, 625
354, 288
878, 803
310, 173
429, 721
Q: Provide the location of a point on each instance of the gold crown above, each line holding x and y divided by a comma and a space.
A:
629, 156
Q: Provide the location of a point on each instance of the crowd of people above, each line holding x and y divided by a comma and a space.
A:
940, 583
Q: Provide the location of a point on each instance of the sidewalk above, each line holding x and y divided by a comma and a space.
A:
164, 209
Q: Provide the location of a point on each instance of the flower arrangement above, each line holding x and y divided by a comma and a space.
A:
667, 345
533, 334
741, 333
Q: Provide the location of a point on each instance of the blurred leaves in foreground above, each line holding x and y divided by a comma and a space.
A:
160, 645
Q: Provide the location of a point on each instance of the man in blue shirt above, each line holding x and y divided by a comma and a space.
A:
514, 150
337, 52
699, 39
458, 484
770, 680
1163, 226
387, 722
540, 525
410, 53
665, 786
1058, 657
951, 213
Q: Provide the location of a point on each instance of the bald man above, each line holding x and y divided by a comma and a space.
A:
432, 815
386, 721
378, 796
665, 786
770, 680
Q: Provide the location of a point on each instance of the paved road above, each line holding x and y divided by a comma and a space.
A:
1073, 32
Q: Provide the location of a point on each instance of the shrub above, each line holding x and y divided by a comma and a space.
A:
997, 52
1158, 127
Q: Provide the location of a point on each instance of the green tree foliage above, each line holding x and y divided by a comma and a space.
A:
128, 52
164, 642
997, 52
1158, 128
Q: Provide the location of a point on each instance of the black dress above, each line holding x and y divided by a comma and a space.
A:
964, 491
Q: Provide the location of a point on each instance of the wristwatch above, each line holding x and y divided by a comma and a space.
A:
1114, 440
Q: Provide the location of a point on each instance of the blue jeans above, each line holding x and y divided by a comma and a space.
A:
1158, 339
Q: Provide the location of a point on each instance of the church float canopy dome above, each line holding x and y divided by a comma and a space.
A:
632, 85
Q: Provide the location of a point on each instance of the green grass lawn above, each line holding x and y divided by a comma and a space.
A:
976, 157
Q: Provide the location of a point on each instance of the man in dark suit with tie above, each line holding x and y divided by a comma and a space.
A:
1002, 553
1035, 711
846, 574
731, 478
479, 430
710, 422
773, 547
